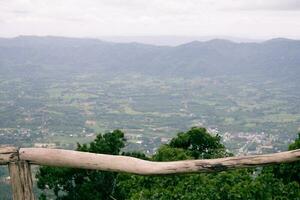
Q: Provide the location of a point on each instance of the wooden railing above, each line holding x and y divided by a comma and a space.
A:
19, 161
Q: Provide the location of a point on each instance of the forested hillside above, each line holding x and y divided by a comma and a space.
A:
214, 57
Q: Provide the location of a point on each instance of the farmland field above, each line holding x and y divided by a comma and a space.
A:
74, 108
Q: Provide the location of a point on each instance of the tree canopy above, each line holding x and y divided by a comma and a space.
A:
273, 182
80, 184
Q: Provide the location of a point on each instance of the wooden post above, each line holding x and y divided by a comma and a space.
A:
21, 181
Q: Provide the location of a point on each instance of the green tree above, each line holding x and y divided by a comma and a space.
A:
275, 182
79, 184
193, 144
239, 184
287, 172
198, 143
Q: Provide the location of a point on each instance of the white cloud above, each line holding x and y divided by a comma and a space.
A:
93, 18
269, 5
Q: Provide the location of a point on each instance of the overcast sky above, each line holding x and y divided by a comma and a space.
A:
95, 18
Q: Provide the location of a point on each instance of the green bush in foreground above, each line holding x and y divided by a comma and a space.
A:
273, 182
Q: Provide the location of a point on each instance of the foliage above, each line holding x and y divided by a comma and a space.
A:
274, 182
235, 184
287, 172
198, 143
82, 184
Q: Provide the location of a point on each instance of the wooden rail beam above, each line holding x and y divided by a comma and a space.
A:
19, 164
85, 160
8, 154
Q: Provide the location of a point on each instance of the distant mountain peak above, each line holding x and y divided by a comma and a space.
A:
219, 41
279, 39
195, 42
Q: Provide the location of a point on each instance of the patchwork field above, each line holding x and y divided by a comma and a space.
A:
64, 111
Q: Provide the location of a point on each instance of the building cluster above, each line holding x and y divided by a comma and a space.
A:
247, 143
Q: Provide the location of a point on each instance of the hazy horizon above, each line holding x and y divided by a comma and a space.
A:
160, 40
256, 20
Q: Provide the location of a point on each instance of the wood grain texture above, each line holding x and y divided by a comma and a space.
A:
84, 160
8, 154
21, 180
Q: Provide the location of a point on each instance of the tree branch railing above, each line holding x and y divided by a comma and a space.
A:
19, 161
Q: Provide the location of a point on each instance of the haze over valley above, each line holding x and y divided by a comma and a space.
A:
56, 91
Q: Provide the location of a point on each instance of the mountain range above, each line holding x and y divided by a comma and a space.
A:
278, 57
